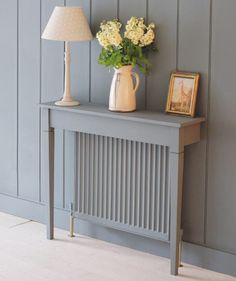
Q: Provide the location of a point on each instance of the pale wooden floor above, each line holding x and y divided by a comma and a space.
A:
25, 255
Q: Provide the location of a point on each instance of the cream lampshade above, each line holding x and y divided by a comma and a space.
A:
67, 24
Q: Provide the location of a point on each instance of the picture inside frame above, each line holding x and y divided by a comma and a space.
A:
182, 94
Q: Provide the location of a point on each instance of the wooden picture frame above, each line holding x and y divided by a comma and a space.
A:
182, 94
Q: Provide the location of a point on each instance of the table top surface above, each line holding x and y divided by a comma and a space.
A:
144, 116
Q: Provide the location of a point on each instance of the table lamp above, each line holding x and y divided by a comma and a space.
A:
67, 24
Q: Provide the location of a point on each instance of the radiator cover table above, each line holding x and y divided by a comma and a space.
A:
129, 169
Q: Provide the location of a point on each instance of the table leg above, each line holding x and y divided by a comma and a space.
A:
176, 183
50, 190
71, 221
48, 171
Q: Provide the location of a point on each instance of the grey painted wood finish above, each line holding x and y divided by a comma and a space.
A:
194, 42
193, 35
176, 182
140, 9
9, 96
102, 169
165, 15
117, 192
48, 150
28, 98
221, 191
100, 77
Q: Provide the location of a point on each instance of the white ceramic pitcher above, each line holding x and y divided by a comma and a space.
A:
123, 92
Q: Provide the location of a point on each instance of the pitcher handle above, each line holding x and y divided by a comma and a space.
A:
137, 80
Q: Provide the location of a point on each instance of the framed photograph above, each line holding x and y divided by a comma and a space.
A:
182, 94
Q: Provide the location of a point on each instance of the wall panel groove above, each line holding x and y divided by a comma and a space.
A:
207, 118
177, 34
40, 99
17, 103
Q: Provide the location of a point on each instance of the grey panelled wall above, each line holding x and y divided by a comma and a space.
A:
8, 106
193, 53
193, 35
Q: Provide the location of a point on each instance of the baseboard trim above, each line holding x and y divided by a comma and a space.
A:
194, 254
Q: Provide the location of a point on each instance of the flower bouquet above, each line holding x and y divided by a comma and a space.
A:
130, 49
123, 53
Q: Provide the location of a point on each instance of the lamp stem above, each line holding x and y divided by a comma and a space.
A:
67, 99
67, 92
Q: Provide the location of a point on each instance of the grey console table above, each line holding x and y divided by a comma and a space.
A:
131, 174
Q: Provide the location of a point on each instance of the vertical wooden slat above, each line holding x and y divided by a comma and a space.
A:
82, 170
195, 28
86, 176
96, 194
148, 187
70, 169
28, 99
100, 171
143, 184
110, 176
114, 180
221, 191
154, 171
164, 14
59, 169
75, 193
167, 194
138, 184
124, 177
133, 179
126, 10
158, 217
92, 175
119, 178
164, 191
100, 76
105, 176
129, 180
8, 105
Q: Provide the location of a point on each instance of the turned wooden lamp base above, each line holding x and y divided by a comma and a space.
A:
67, 103
67, 99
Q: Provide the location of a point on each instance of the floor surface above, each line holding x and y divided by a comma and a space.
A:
26, 255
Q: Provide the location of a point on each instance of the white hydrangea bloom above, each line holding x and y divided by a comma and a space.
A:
139, 33
109, 33
135, 30
147, 38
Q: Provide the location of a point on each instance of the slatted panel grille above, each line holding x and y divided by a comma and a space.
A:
125, 183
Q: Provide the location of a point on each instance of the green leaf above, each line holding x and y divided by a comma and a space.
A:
126, 54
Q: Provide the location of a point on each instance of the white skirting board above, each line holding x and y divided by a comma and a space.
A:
194, 254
